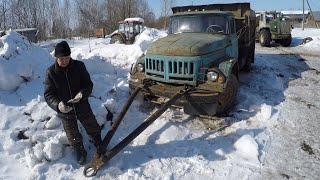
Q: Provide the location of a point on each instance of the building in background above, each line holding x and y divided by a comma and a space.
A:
296, 16
29, 33
313, 18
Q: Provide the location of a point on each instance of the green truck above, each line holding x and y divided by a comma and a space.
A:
206, 48
273, 26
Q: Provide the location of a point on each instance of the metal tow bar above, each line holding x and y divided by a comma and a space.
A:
99, 160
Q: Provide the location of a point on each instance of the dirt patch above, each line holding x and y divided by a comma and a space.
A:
285, 176
315, 70
299, 54
213, 123
305, 147
21, 135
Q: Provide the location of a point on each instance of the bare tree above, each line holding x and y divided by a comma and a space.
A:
166, 6
4, 8
65, 18
145, 12
90, 14
118, 10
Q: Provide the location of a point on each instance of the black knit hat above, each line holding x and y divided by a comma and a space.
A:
62, 49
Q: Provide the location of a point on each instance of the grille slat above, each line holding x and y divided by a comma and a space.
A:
170, 70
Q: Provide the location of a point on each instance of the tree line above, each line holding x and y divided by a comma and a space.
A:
71, 18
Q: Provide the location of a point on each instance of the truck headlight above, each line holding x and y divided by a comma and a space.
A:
212, 76
139, 67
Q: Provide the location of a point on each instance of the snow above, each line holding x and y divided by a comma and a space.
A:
247, 148
273, 131
295, 12
20, 61
134, 19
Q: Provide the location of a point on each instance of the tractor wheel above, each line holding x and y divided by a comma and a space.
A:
117, 39
226, 98
286, 42
265, 38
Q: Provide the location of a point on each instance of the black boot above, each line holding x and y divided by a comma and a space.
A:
81, 155
100, 150
97, 141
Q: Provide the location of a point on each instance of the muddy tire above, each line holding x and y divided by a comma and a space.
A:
117, 39
265, 38
286, 42
226, 99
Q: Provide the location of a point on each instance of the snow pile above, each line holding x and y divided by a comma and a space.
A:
20, 61
53, 123
50, 150
53, 150
148, 36
299, 35
115, 54
36, 136
247, 148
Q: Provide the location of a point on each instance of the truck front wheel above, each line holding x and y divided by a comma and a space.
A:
265, 38
226, 98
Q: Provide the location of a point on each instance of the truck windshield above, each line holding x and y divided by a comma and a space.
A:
199, 23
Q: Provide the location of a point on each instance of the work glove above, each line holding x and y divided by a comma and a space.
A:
76, 99
64, 108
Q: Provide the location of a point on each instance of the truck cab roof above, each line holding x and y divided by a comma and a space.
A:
202, 13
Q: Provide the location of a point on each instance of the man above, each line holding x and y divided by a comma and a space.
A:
67, 88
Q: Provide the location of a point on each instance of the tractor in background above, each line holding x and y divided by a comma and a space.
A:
272, 26
128, 30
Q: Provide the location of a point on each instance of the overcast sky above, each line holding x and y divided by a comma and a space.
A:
257, 5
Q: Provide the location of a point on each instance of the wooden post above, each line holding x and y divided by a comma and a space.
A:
302, 15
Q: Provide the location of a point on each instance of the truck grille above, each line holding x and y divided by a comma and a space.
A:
171, 71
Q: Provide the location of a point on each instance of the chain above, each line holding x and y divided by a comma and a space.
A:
74, 108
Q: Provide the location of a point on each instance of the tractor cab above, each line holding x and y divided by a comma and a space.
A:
127, 31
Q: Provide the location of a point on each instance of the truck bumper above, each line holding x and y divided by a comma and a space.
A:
195, 102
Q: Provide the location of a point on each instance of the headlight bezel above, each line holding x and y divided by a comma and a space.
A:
139, 67
136, 68
221, 78
133, 69
212, 76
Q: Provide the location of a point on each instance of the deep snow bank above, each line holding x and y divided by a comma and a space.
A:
147, 37
20, 61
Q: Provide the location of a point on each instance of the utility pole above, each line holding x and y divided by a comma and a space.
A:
311, 13
302, 15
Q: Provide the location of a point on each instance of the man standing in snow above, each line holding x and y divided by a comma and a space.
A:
67, 88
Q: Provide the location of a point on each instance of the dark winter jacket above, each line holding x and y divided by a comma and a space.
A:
63, 84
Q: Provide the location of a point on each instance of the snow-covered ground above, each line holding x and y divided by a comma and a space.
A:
274, 131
